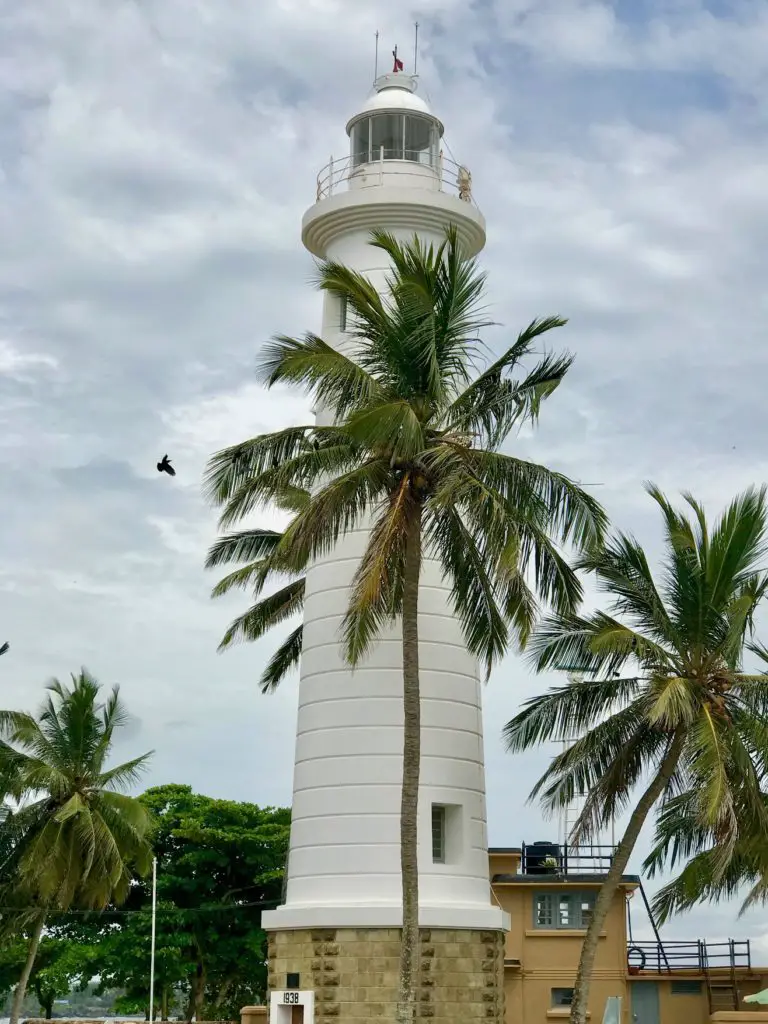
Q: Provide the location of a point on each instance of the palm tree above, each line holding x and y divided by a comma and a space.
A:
75, 838
690, 719
254, 547
680, 836
4, 647
414, 452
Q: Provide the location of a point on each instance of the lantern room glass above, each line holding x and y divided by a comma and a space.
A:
395, 137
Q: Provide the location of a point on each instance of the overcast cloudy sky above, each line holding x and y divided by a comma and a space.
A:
156, 157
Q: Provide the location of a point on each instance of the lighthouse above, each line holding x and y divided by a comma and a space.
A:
334, 942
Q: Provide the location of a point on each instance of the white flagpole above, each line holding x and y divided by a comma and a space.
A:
152, 953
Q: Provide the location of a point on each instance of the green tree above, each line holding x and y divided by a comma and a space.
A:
219, 863
690, 719
123, 947
414, 450
76, 838
60, 966
254, 548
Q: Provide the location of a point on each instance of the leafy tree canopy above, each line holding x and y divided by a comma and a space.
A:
219, 862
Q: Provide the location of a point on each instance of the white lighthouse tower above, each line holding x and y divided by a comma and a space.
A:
343, 895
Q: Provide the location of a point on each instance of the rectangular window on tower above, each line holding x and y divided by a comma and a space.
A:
343, 313
387, 139
438, 834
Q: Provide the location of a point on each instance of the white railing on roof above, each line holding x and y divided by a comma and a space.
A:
450, 177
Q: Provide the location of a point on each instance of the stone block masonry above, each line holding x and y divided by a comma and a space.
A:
354, 972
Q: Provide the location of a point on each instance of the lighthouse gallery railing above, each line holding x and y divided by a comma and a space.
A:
453, 178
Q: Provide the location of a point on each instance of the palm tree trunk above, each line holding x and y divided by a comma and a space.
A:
581, 987
21, 988
409, 804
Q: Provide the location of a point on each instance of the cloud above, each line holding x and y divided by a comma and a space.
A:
155, 163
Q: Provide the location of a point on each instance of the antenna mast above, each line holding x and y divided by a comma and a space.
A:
376, 58
415, 47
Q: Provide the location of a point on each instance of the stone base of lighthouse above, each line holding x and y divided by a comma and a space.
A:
353, 974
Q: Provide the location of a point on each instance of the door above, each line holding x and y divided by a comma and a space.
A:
644, 1002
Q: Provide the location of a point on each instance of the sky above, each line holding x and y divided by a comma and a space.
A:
156, 157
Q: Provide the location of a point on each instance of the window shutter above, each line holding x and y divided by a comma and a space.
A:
543, 910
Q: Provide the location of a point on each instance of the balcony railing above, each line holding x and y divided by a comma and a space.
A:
554, 859
450, 177
697, 955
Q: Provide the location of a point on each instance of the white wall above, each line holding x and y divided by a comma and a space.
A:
345, 838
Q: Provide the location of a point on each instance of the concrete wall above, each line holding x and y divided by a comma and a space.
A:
549, 958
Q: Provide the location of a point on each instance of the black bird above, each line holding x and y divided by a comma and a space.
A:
4, 647
164, 466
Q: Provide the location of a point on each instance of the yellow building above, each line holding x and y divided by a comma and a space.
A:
549, 894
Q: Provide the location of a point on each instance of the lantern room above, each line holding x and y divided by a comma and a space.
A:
395, 124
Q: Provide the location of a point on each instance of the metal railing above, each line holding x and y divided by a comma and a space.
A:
696, 955
450, 177
553, 859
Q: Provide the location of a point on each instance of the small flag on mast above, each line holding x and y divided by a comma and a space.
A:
398, 63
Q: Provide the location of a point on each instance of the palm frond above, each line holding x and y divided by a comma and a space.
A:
242, 546
270, 611
493, 403
475, 597
284, 660
324, 374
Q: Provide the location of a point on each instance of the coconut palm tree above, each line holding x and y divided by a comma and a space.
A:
414, 452
75, 838
688, 727
681, 836
254, 547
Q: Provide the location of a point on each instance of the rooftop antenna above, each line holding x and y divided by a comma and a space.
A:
376, 58
415, 46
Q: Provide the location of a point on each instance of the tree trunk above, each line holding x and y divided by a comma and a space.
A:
199, 991
608, 889
21, 988
164, 1003
48, 1007
407, 996
190, 1001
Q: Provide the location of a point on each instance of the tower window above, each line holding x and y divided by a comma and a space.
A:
361, 142
395, 137
387, 135
343, 313
438, 834
418, 139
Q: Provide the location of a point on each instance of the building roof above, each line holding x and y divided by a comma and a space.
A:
505, 849
550, 879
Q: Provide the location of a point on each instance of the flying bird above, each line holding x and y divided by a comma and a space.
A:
4, 647
164, 466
